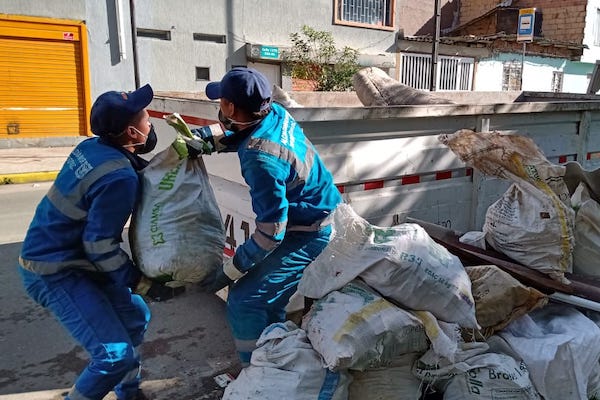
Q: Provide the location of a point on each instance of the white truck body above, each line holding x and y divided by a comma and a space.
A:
388, 162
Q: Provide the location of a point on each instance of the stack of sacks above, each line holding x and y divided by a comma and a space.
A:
533, 221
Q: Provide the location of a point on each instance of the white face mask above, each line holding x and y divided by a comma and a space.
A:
228, 122
146, 146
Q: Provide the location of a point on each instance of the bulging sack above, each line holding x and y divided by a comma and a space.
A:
403, 263
177, 231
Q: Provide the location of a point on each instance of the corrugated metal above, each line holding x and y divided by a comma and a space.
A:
41, 82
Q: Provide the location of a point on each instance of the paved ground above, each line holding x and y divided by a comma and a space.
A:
187, 344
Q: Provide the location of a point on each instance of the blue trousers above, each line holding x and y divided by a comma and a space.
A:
106, 319
259, 298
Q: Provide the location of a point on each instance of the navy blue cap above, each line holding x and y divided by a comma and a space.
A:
113, 111
244, 87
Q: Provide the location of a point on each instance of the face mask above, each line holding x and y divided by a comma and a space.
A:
148, 145
229, 123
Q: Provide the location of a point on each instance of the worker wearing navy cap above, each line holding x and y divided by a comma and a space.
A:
71, 261
292, 195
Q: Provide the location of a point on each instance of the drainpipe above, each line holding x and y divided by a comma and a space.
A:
136, 72
121, 29
434, 46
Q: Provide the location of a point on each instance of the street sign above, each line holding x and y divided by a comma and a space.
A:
526, 25
269, 52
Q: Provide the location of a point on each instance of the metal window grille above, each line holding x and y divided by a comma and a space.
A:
511, 75
202, 73
372, 12
557, 81
453, 73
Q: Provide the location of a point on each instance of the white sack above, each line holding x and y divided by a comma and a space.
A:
355, 328
560, 347
177, 231
587, 233
393, 382
500, 377
286, 367
402, 263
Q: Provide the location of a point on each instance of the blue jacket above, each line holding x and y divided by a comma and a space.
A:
78, 224
289, 185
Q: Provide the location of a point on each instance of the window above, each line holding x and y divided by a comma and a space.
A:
453, 73
202, 73
369, 13
557, 81
205, 37
154, 34
511, 75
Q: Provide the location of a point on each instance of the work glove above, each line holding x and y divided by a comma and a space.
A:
157, 291
204, 135
221, 277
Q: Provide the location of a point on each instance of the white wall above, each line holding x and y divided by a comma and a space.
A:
590, 31
537, 73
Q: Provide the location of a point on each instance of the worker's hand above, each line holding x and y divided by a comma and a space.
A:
157, 291
204, 136
221, 277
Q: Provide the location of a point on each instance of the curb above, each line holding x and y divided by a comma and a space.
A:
28, 177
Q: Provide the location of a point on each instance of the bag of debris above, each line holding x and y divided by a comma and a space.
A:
477, 374
176, 232
402, 263
500, 298
587, 232
560, 347
376, 88
533, 221
355, 328
285, 366
395, 381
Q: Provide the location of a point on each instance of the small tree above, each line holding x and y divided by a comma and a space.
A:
314, 57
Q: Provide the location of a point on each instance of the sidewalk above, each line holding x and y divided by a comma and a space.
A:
31, 164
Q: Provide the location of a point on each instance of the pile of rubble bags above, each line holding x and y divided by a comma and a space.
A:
397, 316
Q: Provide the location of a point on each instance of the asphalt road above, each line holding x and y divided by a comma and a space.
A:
187, 343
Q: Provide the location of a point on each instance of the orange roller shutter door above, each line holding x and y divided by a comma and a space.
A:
44, 90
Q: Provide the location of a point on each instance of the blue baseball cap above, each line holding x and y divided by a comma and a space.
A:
113, 111
244, 87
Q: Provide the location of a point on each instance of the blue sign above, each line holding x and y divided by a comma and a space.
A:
526, 24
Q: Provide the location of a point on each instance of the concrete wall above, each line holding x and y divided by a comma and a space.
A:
171, 65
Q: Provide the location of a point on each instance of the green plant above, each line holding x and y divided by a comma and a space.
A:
314, 57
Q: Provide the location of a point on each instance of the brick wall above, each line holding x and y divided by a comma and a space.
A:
562, 19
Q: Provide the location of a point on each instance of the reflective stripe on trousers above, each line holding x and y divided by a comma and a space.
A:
107, 320
259, 298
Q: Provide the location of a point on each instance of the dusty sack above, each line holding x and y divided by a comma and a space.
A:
376, 88
587, 233
500, 298
177, 232
356, 328
533, 221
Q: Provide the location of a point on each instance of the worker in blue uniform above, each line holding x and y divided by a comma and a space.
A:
71, 261
292, 195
